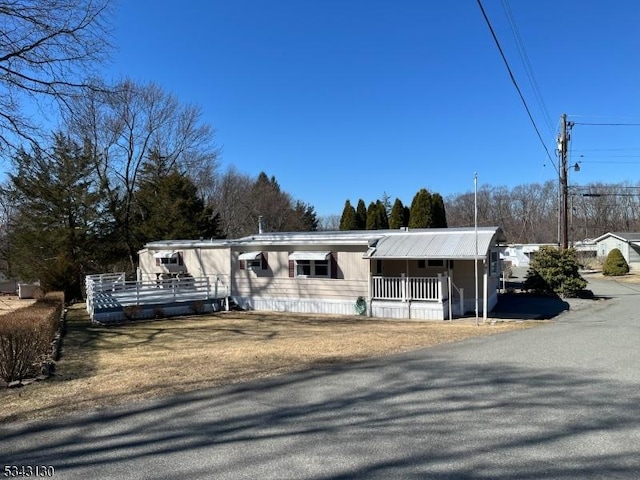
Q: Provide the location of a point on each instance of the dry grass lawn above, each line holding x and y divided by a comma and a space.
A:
104, 366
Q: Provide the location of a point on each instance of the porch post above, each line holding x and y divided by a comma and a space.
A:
403, 286
369, 292
450, 294
485, 294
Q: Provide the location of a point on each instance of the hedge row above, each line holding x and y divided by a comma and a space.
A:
26, 335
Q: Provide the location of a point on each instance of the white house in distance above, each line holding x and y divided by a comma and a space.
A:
520, 254
423, 274
627, 242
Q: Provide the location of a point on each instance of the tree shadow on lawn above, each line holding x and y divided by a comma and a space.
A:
417, 415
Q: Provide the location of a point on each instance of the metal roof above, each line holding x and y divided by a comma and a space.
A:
452, 244
403, 243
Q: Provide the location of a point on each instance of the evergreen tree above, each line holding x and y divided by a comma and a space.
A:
438, 212
396, 219
382, 215
361, 215
304, 218
167, 207
421, 215
377, 216
348, 220
55, 223
406, 215
372, 217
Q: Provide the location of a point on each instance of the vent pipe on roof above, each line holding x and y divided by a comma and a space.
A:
260, 227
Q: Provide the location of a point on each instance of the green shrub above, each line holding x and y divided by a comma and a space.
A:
26, 335
615, 264
555, 270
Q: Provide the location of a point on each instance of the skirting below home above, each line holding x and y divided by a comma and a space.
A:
163, 310
416, 310
298, 305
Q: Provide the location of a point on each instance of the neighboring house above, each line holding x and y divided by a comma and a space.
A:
628, 243
520, 254
418, 274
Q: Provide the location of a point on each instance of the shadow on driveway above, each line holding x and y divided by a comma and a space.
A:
525, 306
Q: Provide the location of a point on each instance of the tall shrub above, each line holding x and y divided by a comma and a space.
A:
26, 335
615, 264
555, 270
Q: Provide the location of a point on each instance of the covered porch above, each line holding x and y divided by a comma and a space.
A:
434, 275
425, 298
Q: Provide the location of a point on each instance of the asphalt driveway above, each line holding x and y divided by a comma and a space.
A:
558, 401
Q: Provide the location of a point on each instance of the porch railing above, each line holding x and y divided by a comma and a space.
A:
410, 288
112, 291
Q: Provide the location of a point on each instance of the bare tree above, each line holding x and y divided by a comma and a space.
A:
47, 49
329, 222
232, 202
126, 126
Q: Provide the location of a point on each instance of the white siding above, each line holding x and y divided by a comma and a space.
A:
198, 262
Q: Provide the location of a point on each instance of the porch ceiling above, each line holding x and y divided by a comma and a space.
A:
453, 245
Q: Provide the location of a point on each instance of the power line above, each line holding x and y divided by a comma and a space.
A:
527, 64
515, 84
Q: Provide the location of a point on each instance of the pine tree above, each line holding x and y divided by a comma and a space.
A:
396, 219
382, 216
348, 220
377, 216
361, 215
406, 214
167, 207
56, 217
421, 215
438, 212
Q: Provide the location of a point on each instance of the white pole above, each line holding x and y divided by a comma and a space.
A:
475, 222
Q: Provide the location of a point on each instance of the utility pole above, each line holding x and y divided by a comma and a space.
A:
563, 215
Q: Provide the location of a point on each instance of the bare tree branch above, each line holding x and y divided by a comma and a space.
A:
48, 48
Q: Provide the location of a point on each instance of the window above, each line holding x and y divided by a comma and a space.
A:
168, 258
312, 268
321, 268
495, 263
303, 268
436, 263
312, 264
253, 261
421, 264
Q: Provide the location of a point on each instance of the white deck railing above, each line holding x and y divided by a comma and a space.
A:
410, 288
112, 291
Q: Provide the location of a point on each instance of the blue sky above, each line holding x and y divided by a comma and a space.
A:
349, 99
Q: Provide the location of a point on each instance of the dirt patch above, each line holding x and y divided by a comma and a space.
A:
104, 366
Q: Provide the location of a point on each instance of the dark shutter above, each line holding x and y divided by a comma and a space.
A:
264, 260
292, 268
180, 259
241, 262
334, 264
